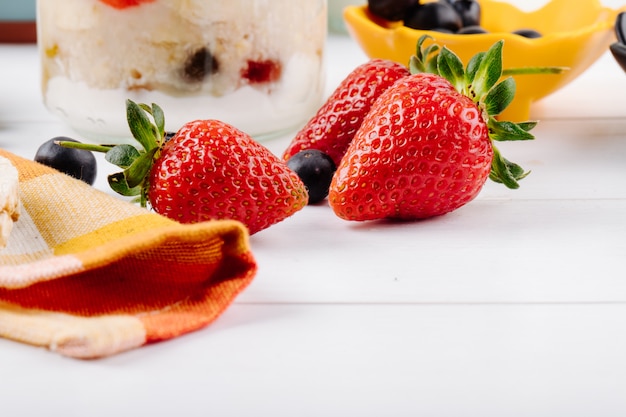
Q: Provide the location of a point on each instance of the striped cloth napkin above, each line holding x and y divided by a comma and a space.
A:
88, 275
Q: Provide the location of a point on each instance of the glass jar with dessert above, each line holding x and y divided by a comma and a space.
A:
255, 64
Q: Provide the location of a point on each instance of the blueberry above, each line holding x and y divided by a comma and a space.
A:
390, 9
469, 11
77, 163
434, 16
528, 33
200, 64
316, 170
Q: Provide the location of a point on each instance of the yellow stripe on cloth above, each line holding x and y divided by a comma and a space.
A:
59, 204
88, 275
100, 238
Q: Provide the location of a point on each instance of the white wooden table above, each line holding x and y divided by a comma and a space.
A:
514, 305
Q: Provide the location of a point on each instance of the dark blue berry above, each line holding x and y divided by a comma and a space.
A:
528, 33
78, 163
200, 64
434, 16
316, 170
390, 9
469, 11
620, 27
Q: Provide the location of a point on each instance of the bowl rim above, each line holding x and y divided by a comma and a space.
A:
605, 21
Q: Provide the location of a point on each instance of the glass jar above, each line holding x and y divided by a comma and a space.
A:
255, 64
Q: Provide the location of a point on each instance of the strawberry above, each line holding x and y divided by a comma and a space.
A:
332, 128
124, 4
426, 146
418, 165
208, 170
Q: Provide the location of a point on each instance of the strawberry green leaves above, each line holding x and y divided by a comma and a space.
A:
122, 155
451, 68
140, 125
490, 87
488, 72
135, 162
500, 96
425, 58
157, 114
506, 172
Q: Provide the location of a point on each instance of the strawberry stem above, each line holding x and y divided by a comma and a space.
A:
84, 146
534, 70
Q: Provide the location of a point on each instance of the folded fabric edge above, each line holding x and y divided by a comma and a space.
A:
90, 337
234, 233
73, 336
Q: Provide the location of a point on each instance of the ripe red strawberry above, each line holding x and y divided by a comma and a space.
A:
123, 4
208, 170
332, 128
425, 148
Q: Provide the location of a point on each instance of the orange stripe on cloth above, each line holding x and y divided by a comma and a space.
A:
26, 168
193, 312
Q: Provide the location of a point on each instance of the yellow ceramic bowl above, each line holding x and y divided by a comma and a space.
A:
575, 35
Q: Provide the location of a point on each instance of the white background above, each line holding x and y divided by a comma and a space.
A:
514, 305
